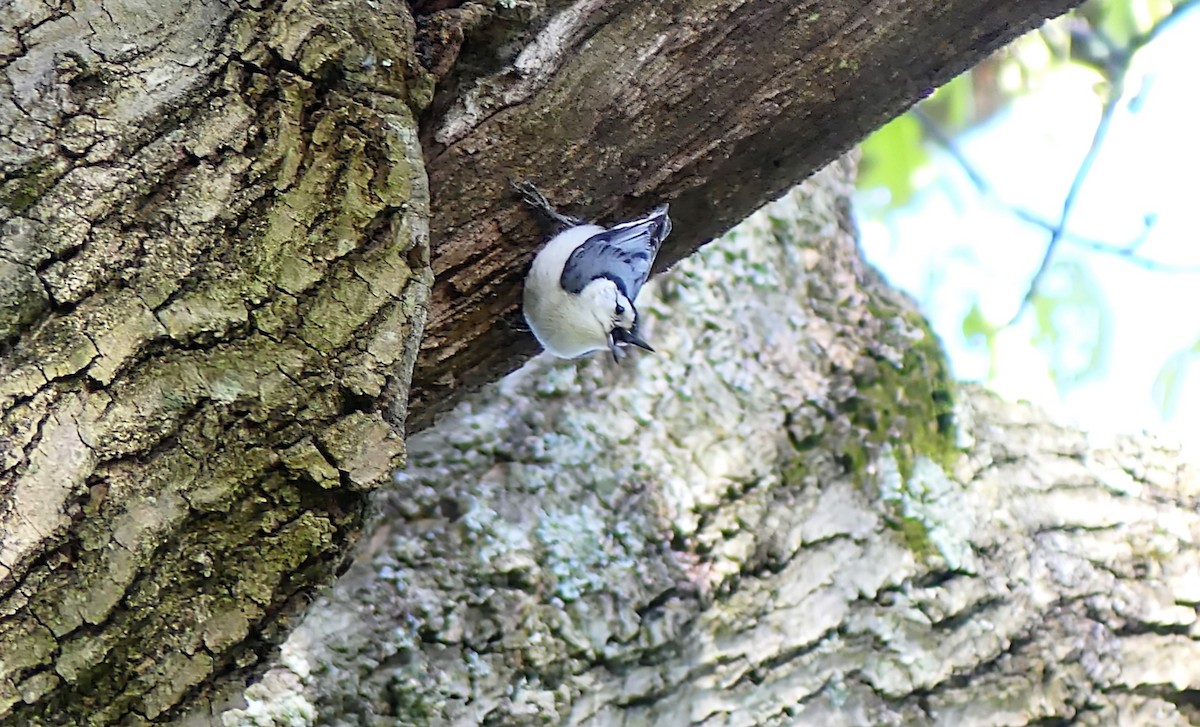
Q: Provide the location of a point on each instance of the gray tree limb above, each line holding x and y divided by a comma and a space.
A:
781, 519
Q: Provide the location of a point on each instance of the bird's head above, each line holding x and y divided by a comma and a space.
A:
615, 318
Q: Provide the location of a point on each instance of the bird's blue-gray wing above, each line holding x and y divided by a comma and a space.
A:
623, 254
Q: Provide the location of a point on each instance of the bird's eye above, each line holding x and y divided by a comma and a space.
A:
620, 309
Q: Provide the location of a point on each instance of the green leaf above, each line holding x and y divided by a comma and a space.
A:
976, 327
890, 157
953, 105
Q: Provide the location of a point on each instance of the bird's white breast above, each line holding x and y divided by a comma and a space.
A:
563, 323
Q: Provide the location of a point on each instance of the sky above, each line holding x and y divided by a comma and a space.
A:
950, 247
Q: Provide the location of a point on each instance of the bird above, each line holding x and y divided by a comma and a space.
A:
581, 288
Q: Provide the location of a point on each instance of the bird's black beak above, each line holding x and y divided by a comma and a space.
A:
620, 335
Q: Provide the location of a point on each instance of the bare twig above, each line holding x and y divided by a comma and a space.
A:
1081, 174
1116, 71
1114, 62
1126, 251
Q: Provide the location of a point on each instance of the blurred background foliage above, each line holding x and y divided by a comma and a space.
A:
1064, 312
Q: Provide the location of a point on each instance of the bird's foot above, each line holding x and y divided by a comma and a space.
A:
533, 197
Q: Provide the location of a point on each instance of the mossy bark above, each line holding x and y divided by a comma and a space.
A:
217, 266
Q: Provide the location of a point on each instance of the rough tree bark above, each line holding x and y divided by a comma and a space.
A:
782, 519
216, 268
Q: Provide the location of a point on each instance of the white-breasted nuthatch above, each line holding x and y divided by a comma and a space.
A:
581, 288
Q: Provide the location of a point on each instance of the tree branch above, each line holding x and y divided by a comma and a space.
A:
613, 108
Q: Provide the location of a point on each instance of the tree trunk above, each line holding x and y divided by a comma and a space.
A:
215, 259
216, 268
780, 519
